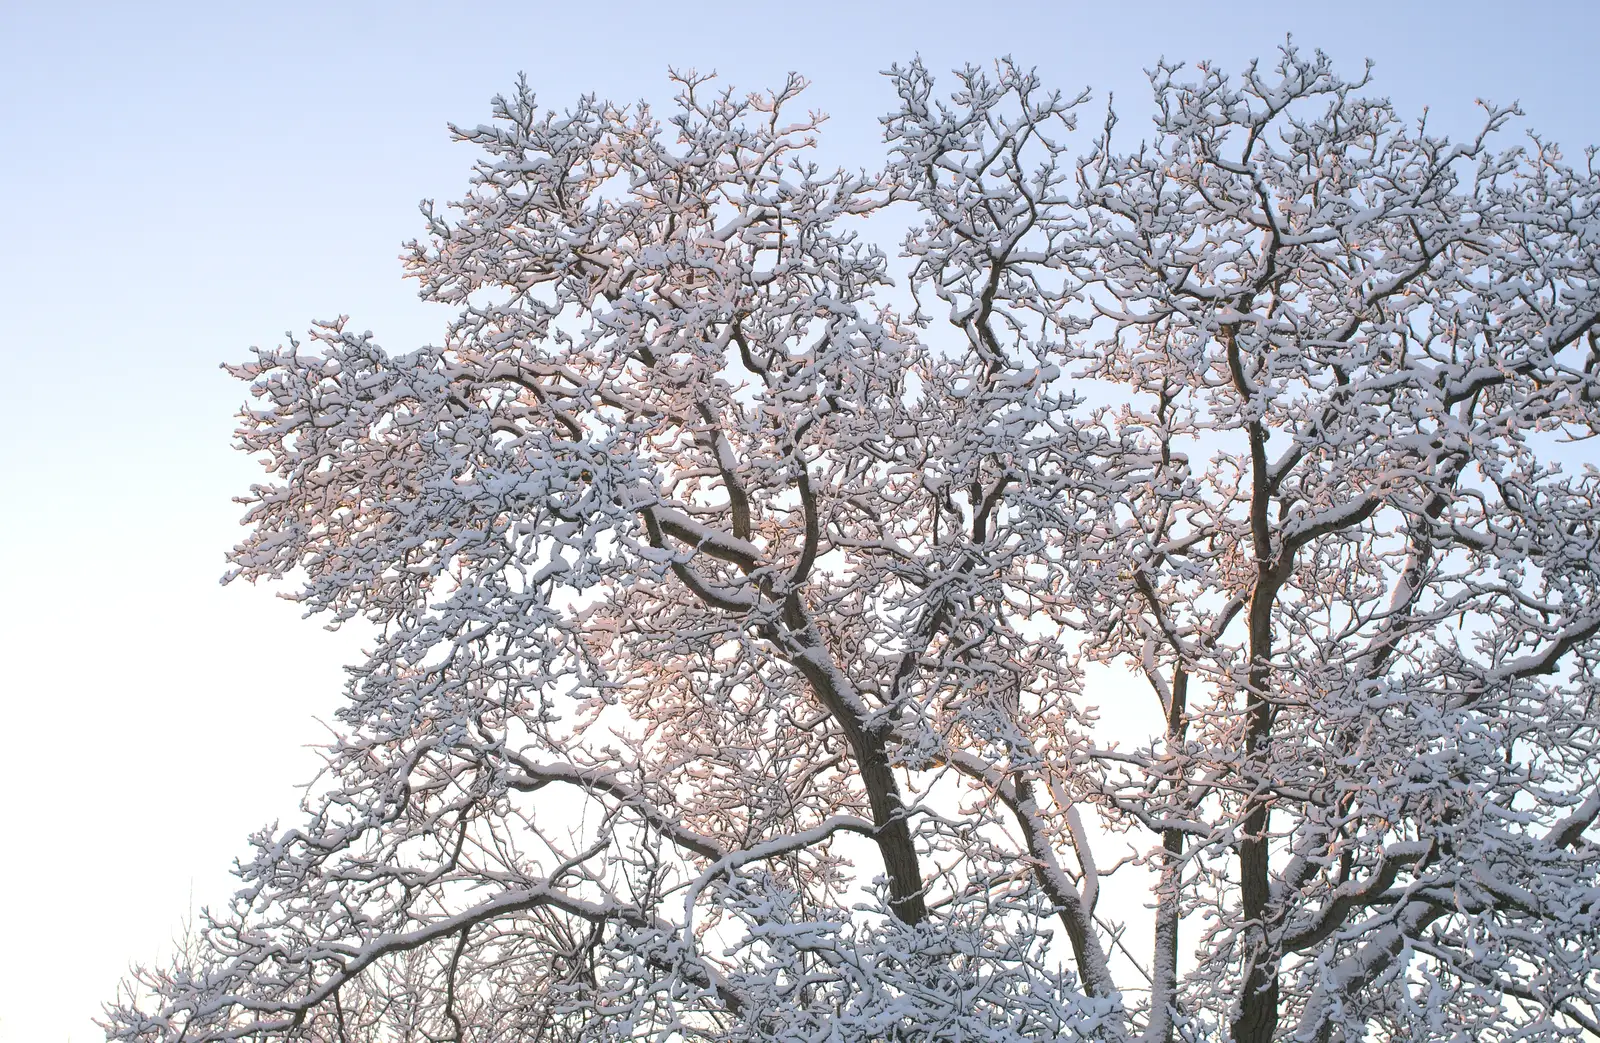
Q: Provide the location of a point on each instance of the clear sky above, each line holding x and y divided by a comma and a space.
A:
180, 182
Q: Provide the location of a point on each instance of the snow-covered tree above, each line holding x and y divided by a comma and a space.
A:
741, 592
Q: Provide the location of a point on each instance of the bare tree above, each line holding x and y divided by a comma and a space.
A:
733, 624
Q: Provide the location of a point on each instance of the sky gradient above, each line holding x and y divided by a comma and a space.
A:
181, 182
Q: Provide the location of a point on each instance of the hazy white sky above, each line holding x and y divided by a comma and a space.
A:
180, 182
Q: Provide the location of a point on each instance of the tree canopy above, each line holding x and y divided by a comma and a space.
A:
741, 587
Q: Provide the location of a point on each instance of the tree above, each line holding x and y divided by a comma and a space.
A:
737, 605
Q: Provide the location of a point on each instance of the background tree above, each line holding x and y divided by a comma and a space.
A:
730, 681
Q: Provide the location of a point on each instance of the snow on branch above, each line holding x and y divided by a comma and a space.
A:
746, 598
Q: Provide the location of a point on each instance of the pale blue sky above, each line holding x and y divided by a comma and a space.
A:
180, 182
